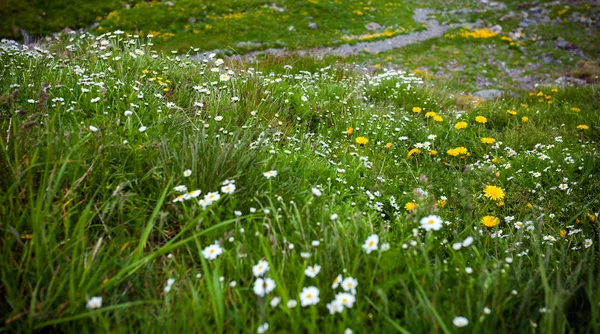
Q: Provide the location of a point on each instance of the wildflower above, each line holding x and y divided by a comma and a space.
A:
336, 281
430, 114
461, 125
349, 131
94, 303
362, 141
494, 193
316, 192
345, 299
263, 328
388, 146
224, 77
587, 243
309, 296
431, 222
350, 284
488, 140
335, 307
292, 303
416, 109
412, 152
260, 268
212, 252
142, 129
263, 286
93, 128
275, 301
371, 243
490, 221
563, 186
270, 174
169, 285
511, 112
187, 173
524, 119
228, 189
410, 206
438, 118
212, 197
582, 127
312, 271
433, 153
467, 242
481, 119
460, 321
194, 193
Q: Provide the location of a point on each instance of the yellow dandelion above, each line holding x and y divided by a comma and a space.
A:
525, 119
416, 109
461, 125
490, 221
582, 127
494, 193
488, 140
412, 152
362, 141
349, 131
410, 206
511, 112
481, 119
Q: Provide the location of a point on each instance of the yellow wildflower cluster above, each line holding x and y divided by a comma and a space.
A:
462, 151
386, 33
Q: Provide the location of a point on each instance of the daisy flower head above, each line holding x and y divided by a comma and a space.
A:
94, 303
263, 328
335, 307
312, 271
309, 296
460, 321
431, 222
270, 174
587, 243
371, 243
263, 286
260, 268
494, 193
350, 284
212, 252
490, 221
563, 186
228, 189
346, 299
212, 197
336, 281
187, 173
316, 192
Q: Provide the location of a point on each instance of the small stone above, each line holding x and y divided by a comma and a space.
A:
169, 3
564, 44
372, 26
192, 20
569, 81
497, 29
312, 25
487, 94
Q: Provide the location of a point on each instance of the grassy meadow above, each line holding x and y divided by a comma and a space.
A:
143, 191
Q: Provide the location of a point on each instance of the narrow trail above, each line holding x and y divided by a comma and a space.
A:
421, 16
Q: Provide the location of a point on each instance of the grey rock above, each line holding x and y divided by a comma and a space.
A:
487, 94
564, 44
192, 20
312, 25
372, 26
569, 81
497, 29
169, 3
527, 22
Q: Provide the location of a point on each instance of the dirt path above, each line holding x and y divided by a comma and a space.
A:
421, 16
